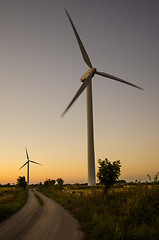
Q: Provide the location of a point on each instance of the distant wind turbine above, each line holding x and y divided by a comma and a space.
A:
28, 165
87, 83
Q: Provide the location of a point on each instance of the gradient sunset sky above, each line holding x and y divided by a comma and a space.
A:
41, 66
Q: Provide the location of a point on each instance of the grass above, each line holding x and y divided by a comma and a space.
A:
11, 200
129, 213
39, 199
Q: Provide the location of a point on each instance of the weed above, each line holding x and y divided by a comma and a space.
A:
11, 200
39, 199
129, 213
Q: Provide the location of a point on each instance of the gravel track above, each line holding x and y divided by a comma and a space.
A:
35, 221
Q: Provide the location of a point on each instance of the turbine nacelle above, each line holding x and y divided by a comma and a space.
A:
86, 78
90, 71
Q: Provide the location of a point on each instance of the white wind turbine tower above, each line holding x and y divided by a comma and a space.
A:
87, 83
28, 165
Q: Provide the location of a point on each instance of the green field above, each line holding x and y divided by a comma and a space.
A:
127, 213
11, 200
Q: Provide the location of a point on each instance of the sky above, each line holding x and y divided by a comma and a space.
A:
40, 70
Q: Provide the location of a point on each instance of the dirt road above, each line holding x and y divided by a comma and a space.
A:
35, 222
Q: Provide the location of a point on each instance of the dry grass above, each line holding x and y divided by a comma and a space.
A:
11, 200
129, 213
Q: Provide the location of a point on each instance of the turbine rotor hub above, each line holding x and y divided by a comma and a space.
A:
91, 70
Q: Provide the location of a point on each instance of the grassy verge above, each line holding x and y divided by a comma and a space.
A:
11, 200
122, 214
39, 199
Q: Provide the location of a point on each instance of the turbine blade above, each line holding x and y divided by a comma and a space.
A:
24, 165
81, 89
35, 162
83, 51
27, 153
116, 79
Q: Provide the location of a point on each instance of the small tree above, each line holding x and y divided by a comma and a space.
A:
108, 172
21, 182
46, 183
49, 182
60, 181
156, 178
52, 182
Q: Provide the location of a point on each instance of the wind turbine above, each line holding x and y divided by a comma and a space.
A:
28, 165
86, 80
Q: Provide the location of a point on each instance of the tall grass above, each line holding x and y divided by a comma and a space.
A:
129, 213
11, 200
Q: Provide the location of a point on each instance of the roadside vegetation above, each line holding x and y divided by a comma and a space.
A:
113, 209
11, 200
123, 213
